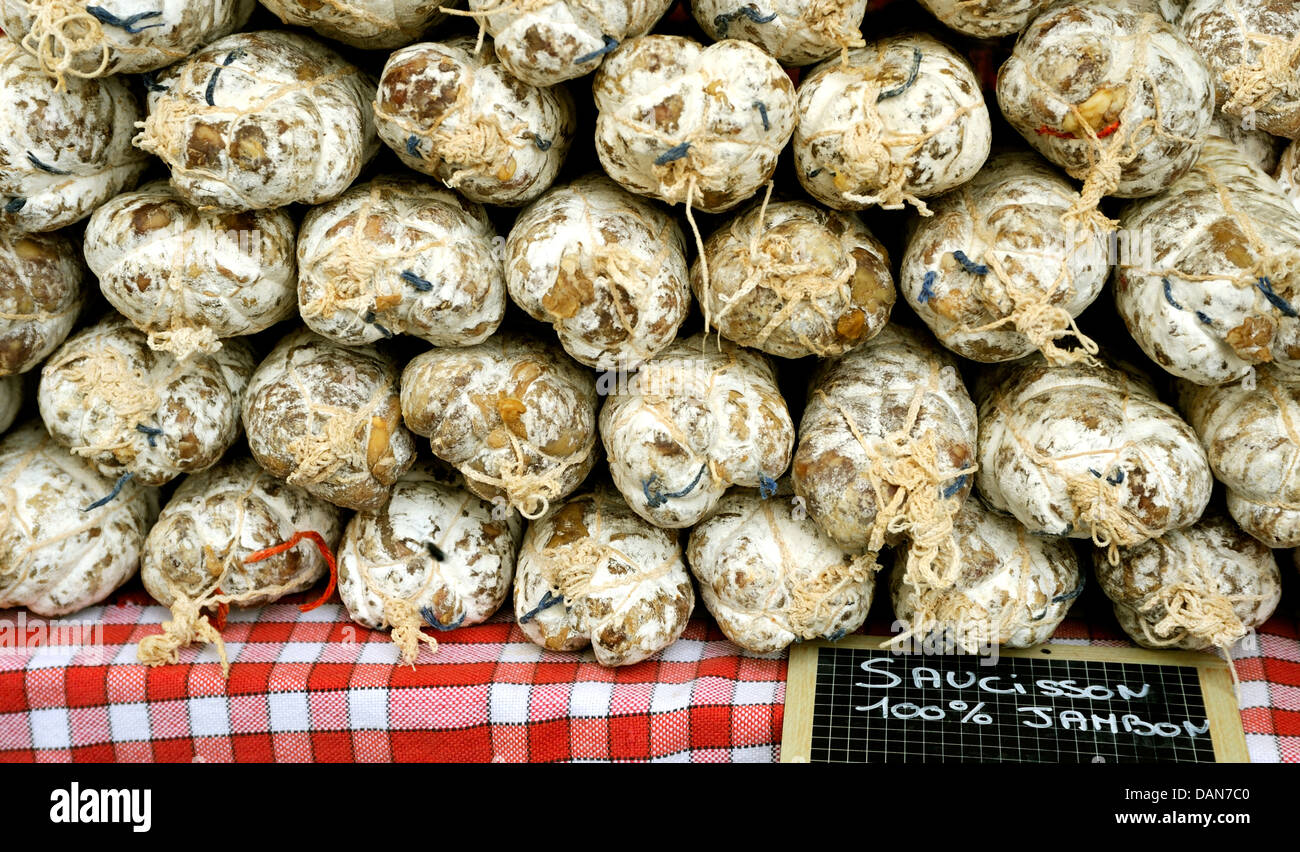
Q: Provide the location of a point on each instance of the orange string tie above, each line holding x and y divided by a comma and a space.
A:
324, 549
1044, 130
223, 610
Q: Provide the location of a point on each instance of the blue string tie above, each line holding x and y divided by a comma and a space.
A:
674, 153
130, 24
548, 600
416, 281
969, 265
610, 44
211, 91
150, 431
432, 620
435, 551
766, 486
1266, 287
907, 84
117, 489
15, 204
762, 112
722, 22
927, 287
655, 498
45, 167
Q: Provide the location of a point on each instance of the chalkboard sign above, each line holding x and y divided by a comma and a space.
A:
855, 702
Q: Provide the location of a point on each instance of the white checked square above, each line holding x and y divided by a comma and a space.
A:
752, 754
1252, 694
1263, 748
754, 692
288, 711
670, 696
129, 722
508, 703
50, 728
590, 699
51, 656
299, 652
683, 651
368, 709
383, 653
521, 652
678, 757
208, 717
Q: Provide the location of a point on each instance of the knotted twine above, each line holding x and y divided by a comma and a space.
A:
1093, 496
967, 622
63, 29
103, 375
1273, 73
917, 507
776, 266
1193, 607
1033, 311
189, 623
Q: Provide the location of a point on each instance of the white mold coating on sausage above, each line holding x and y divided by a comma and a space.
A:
1088, 451
368, 24
326, 417
1108, 81
1014, 588
691, 423
118, 36
986, 18
1210, 284
457, 114
1251, 47
605, 267
517, 417
1197, 588
904, 119
217, 519
858, 445
57, 556
434, 546
1250, 435
1025, 267
770, 577
793, 279
127, 408
590, 572
260, 120
796, 32
400, 256
63, 152
544, 42
187, 276
678, 119
43, 294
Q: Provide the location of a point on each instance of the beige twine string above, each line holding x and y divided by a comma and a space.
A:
104, 375
1272, 73
189, 624
56, 49
916, 508
830, 20
1193, 607
531, 491
185, 341
1034, 315
809, 602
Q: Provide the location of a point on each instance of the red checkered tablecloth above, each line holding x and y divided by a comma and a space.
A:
316, 687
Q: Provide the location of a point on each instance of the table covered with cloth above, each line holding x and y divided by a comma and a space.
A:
314, 686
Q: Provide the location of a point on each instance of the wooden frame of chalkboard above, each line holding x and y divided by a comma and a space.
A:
866, 728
